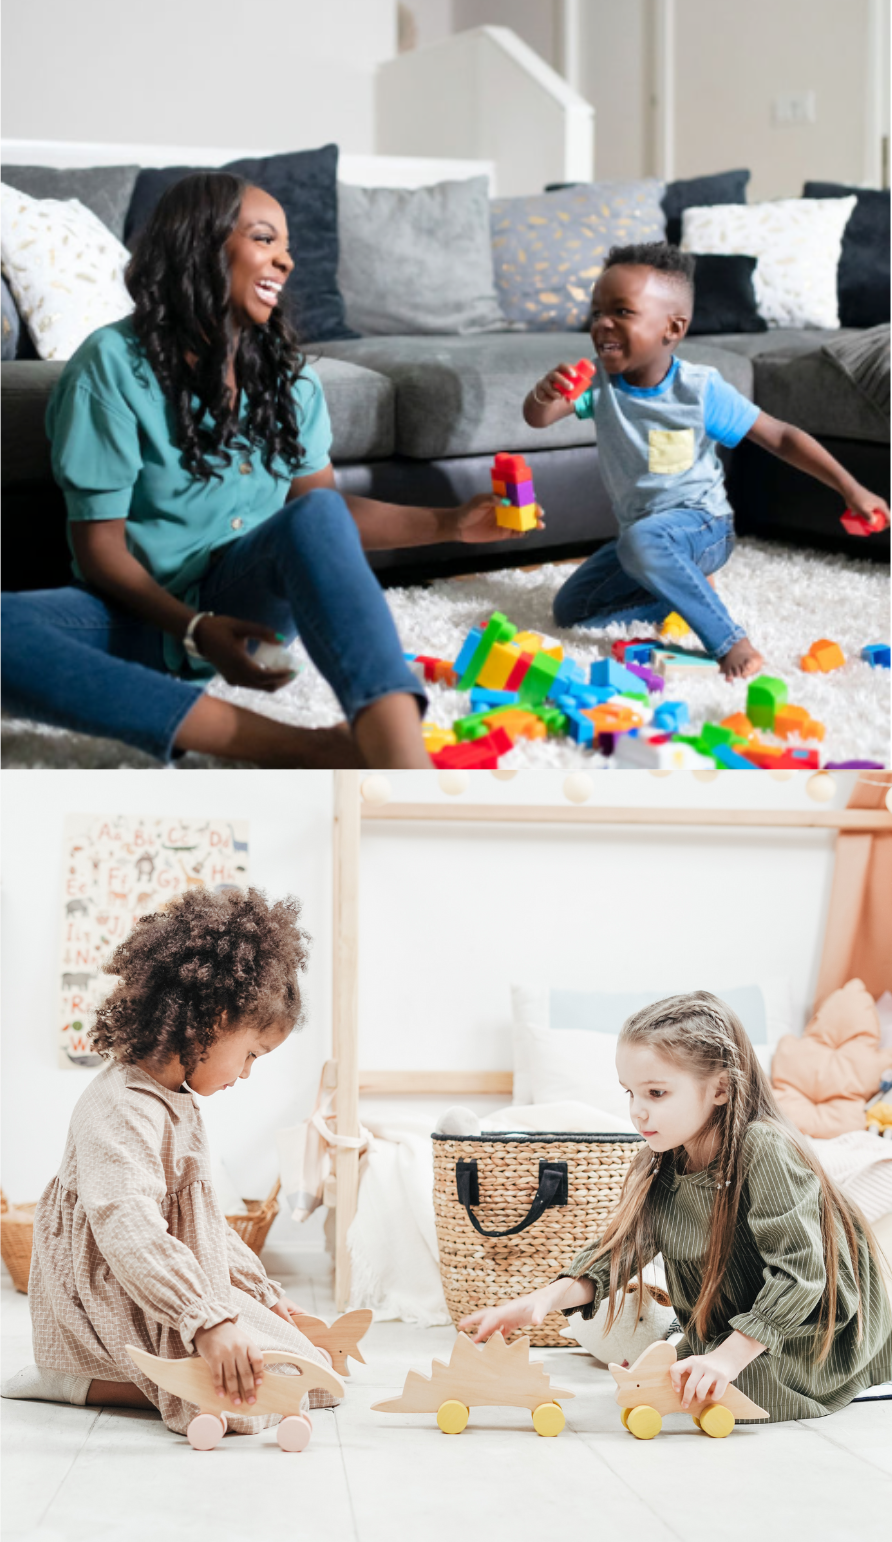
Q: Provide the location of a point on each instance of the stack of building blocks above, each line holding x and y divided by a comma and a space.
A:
512, 482
823, 655
876, 655
582, 375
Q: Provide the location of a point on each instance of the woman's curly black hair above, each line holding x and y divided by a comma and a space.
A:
204, 966
178, 278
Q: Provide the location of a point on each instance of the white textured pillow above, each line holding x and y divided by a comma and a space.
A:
797, 243
65, 270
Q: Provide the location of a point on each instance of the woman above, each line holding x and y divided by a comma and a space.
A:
192, 445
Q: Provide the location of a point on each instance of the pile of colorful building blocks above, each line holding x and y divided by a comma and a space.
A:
521, 686
512, 482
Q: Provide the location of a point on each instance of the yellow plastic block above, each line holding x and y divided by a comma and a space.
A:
537, 642
826, 654
789, 719
437, 738
739, 723
517, 723
511, 517
774, 750
502, 659
674, 625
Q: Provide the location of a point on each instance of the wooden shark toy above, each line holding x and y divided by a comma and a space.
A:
190, 1379
645, 1392
494, 1374
339, 1340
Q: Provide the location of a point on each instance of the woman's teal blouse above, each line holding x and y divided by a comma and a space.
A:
114, 454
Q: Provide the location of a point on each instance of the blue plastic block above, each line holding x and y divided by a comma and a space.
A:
410, 657
468, 649
876, 655
609, 672
723, 755
580, 729
638, 653
570, 670
586, 695
481, 698
670, 716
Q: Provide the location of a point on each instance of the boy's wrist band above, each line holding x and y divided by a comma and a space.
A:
189, 644
537, 397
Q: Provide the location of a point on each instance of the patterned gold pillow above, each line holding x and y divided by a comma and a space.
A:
549, 248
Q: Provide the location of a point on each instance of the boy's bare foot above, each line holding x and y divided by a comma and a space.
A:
741, 661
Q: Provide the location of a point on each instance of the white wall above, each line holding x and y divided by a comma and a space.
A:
450, 917
195, 71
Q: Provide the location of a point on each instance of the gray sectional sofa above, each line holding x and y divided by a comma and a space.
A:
418, 420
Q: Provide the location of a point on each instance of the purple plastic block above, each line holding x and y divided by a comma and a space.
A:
519, 493
854, 765
653, 681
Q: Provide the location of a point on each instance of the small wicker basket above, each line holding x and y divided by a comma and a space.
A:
16, 1234
253, 1227
481, 1271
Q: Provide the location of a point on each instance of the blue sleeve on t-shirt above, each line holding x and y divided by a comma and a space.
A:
584, 405
727, 415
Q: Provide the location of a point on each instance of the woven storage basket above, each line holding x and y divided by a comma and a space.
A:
16, 1235
253, 1227
481, 1271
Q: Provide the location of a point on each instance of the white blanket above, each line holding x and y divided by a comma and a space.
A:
860, 1164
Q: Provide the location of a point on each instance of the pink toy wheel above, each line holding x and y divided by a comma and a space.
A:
205, 1431
294, 1433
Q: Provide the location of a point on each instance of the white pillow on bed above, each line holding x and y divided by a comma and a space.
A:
564, 1041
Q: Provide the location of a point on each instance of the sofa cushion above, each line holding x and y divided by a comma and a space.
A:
724, 297
305, 184
360, 404
105, 190
700, 193
812, 391
464, 395
863, 275
417, 260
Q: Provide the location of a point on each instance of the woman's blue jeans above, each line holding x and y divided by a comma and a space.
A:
657, 565
74, 659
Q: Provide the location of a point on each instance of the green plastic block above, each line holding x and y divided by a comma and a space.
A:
473, 726
554, 719
498, 630
764, 696
714, 733
537, 681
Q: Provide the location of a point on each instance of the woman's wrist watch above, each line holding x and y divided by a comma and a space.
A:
189, 644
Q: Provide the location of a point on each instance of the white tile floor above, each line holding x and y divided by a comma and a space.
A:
73, 1473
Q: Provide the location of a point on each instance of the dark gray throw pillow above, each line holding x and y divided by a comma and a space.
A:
305, 183
700, 193
724, 297
105, 190
862, 278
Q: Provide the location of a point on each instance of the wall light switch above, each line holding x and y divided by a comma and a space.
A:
794, 107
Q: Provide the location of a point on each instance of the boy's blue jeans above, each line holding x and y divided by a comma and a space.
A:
74, 659
657, 565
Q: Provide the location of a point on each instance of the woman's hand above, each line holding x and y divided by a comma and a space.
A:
476, 521
223, 640
235, 1363
525, 1312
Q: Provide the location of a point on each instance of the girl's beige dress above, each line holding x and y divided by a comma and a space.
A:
131, 1246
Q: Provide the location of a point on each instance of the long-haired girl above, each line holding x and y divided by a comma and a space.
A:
770, 1270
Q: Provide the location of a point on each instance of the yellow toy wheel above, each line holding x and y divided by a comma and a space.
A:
452, 1417
625, 1416
696, 1420
548, 1419
717, 1421
644, 1422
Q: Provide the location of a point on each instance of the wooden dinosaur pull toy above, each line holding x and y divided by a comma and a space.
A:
340, 1340
645, 1392
191, 1380
493, 1374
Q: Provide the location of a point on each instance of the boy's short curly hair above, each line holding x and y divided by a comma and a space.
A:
204, 965
671, 261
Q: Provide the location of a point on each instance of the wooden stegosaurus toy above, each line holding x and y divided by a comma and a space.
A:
645, 1392
494, 1374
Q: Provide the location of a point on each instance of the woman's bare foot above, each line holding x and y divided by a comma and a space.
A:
741, 661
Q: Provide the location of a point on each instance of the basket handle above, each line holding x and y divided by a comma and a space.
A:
552, 1190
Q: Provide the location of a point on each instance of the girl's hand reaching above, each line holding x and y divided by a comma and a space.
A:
234, 1361
285, 1306
700, 1378
524, 1312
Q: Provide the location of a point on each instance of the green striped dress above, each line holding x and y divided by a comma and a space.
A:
774, 1282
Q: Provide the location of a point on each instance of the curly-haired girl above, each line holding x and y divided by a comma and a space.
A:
770, 1270
130, 1243
191, 441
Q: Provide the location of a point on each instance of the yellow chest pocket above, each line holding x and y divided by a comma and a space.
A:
671, 450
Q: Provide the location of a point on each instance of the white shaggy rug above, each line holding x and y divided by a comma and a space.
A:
785, 597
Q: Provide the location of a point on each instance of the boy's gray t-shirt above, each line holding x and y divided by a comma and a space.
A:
656, 446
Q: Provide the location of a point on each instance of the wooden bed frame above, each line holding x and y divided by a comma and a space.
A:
343, 1071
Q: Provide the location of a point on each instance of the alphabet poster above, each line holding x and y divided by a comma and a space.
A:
119, 867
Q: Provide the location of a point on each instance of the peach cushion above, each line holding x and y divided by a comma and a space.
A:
823, 1080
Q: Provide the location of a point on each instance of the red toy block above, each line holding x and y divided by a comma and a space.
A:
474, 755
864, 524
583, 373
511, 468
429, 663
513, 681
